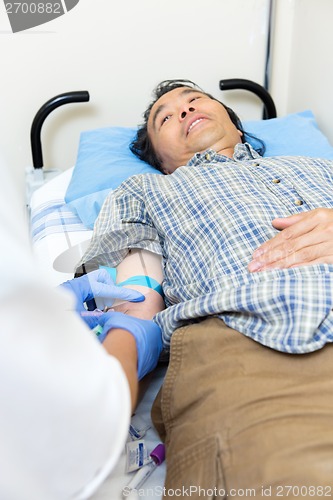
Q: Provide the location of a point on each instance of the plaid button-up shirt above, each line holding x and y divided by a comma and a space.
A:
206, 219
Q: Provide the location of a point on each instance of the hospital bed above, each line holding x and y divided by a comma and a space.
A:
63, 211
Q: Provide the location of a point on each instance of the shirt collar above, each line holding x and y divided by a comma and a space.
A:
241, 152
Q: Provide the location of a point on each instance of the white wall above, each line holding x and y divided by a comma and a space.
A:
118, 50
302, 69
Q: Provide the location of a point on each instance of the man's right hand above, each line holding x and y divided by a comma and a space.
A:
147, 334
304, 239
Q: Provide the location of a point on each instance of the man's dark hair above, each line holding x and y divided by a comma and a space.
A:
142, 145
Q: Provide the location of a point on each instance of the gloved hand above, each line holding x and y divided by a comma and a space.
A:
98, 284
147, 334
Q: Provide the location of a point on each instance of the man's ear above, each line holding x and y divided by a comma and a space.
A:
240, 133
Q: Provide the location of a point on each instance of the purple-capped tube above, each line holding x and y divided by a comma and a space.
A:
157, 457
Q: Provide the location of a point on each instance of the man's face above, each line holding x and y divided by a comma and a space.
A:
184, 122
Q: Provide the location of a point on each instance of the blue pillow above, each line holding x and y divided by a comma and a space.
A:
104, 159
293, 135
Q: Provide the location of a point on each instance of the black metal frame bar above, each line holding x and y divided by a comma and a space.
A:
258, 90
42, 114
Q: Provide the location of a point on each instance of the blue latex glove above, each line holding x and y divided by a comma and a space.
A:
98, 284
147, 334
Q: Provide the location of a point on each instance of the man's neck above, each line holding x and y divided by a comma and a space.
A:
229, 152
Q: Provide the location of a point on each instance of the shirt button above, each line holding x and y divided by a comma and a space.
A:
298, 202
207, 156
256, 164
276, 181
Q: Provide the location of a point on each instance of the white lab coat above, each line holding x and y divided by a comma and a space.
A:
64, 402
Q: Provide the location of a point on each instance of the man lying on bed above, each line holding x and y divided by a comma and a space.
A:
240, 407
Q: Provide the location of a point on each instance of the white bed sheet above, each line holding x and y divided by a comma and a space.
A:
52, 241
58, 247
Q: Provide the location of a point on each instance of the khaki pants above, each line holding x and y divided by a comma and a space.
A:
240, 420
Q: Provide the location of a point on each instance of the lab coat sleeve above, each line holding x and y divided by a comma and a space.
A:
65, 403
